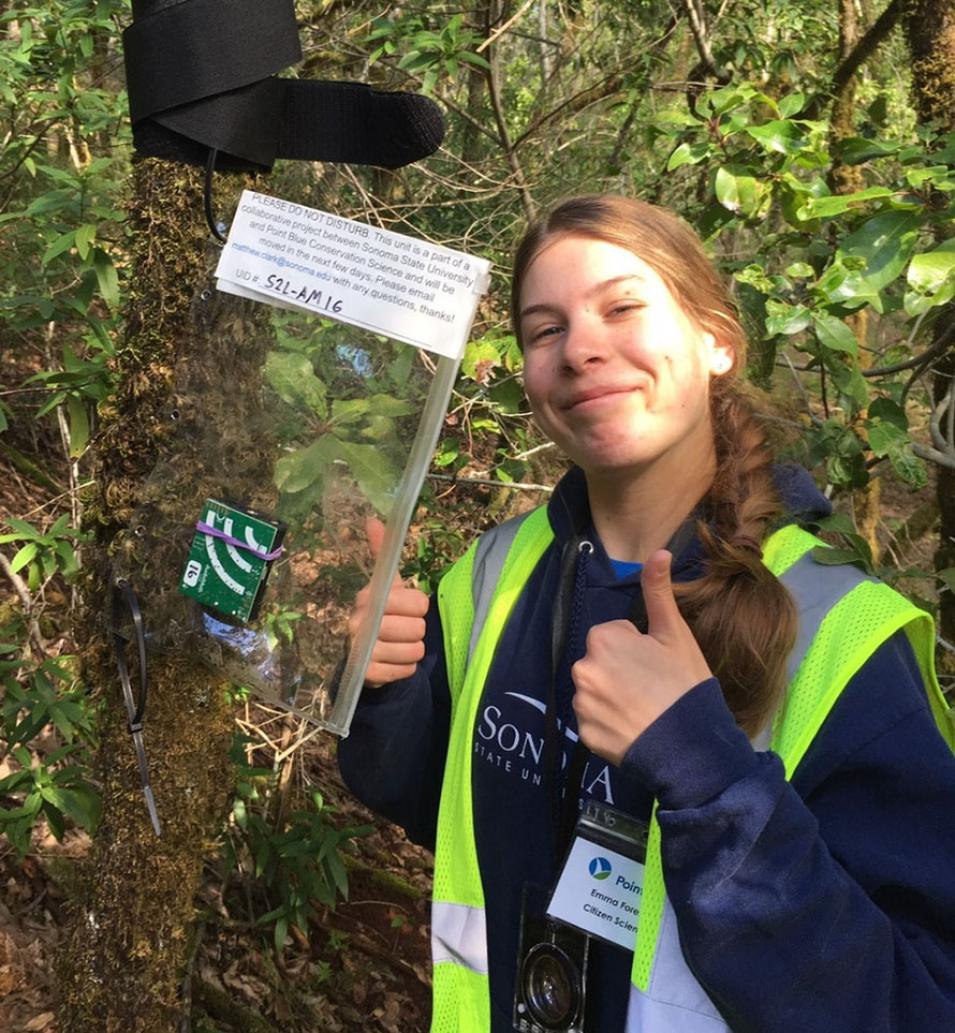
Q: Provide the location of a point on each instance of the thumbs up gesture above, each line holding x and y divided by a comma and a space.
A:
626, 679
400, 643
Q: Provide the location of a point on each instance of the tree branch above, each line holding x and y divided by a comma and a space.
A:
26, 601
516, 485
606, 88
860, 53
694, 15
866, 46
933, 455
501, 29
510, 150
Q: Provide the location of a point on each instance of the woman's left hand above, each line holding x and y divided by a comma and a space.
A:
627, 679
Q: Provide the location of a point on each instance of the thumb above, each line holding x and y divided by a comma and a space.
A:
663, 614
375, 530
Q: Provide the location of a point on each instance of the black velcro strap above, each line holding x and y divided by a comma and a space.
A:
351, 122
199, 48
200, 75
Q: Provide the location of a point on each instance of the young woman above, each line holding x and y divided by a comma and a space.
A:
658, 644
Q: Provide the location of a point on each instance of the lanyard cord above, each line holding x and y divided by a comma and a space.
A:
564, 629
565, 622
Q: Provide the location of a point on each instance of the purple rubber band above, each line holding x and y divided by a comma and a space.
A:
214, 532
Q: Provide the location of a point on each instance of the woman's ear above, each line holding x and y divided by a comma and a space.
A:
721, 356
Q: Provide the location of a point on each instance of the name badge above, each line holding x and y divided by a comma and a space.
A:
601, 884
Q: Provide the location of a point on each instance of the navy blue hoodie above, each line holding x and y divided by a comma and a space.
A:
824, 905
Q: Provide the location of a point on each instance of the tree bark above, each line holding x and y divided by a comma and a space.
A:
121, 970
846, 179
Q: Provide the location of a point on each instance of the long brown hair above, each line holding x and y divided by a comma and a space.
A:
742, 617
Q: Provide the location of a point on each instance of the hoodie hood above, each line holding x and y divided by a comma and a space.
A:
569, 511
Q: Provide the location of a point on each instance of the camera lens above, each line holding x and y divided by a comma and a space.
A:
551, 986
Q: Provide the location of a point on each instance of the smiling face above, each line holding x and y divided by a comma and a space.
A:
617, 374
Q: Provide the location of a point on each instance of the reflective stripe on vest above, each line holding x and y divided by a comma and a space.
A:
459, 935
461, 998
476, 599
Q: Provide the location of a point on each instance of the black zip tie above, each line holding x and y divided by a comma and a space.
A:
123, 594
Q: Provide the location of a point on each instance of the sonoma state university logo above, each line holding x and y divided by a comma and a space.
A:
600, 868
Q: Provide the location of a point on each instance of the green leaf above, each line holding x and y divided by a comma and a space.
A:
781, 136
832, 556
474, 59
23, 529
23, 556
848, 286
887, 411
372, 470
106, 277
885, 243
800, 270
338, 873
786, 319
836, 204
883, 437
62, 243
931, 277
792, 104
448, 451
480, 357
727, 98
297, 471
52, 794
688, 154
856, 149
738, 191
378, 428
841, 523
834, 334
79, 426
293, 379
947, 577
85, 235
908, 466
348, 411
391, 407
937, 177
850, 384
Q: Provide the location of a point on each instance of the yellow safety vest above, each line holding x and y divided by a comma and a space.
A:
844, 617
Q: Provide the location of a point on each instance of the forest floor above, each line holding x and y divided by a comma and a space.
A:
364, 966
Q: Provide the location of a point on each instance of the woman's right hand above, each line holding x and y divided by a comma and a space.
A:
400, 642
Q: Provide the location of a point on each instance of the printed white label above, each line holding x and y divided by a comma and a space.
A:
599, 891
296, 257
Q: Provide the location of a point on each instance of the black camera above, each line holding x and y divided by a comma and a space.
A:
551, 988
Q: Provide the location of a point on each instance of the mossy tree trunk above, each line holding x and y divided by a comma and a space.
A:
122, 969
847, 179
930, 27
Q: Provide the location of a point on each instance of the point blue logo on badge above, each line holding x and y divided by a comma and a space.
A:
600, 868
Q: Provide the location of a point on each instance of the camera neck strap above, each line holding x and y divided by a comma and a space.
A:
563, 794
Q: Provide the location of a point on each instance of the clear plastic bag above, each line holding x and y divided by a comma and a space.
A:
250, 543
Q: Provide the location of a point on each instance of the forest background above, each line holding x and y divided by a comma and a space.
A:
813, 147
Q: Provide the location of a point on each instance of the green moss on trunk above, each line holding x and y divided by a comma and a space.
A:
122, 968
